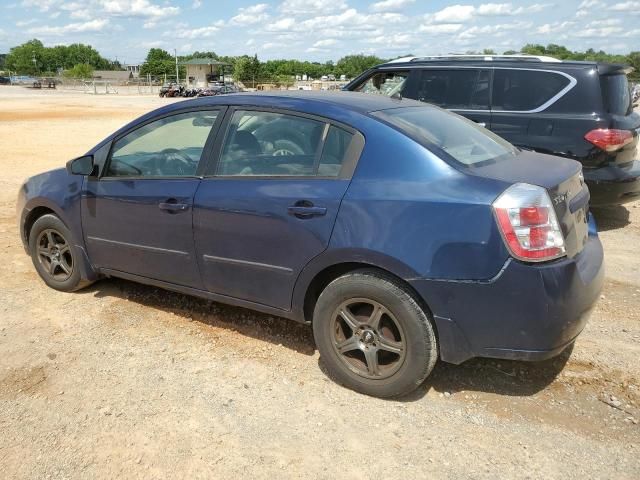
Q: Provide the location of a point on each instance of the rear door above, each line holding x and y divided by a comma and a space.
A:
269, 204
465, 91
519, 101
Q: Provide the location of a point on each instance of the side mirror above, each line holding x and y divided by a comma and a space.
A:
81, 165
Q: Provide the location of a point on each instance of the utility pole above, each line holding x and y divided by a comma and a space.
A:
175, 52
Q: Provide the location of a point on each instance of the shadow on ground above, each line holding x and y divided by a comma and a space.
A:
276, 330
611, 218
501, 377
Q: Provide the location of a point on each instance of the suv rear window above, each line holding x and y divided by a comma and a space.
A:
461, 139
461, 89
616, 94
524, 90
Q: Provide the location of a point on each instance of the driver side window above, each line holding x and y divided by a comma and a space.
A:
169, 147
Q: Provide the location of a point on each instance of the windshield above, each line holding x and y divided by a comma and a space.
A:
461, 139
616, 94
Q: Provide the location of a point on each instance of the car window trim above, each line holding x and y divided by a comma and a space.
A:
572, 83
348, 165
206, 151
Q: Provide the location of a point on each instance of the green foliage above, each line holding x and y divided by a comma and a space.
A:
34, 58
354, 65
247, 69
82, 70
159, 62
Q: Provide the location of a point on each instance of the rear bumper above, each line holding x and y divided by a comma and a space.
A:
613, 184
527, 312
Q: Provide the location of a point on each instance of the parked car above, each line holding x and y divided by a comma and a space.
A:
5, 81
402, 232
578, 110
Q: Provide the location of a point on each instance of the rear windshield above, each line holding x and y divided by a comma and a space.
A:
460, 139
616, 94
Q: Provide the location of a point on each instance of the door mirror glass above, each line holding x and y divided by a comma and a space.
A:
81, 165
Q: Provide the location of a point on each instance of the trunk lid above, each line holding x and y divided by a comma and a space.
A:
561, 177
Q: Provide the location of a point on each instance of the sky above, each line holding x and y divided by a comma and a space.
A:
318, 30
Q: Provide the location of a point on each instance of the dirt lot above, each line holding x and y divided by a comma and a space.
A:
132, 381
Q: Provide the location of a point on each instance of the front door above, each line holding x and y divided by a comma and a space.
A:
270, 204
138, 217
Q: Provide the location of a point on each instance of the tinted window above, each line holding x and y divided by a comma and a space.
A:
464, 88
275, 144
616, 94
384, 83
334, 152
523, 90
171, 146
460, 138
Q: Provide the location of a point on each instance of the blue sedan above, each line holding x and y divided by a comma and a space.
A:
401, 232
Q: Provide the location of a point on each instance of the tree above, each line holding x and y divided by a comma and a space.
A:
81, 70
159, 62
247, 69
33, 57
354, 65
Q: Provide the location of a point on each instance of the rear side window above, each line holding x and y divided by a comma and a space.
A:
461, 89
616, 94
524, 90
461, 139
269, 144
384, 83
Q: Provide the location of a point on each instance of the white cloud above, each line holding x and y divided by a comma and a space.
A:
312, 7
24, 23
196, 4
441, 28
284, 24
90, 26
194, 33
629, 7
42, 5
81, 14
328, 42
137, 8
390, 5
453, 14
250, 15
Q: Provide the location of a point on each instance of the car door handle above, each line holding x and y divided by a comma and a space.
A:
172, 206
301, 211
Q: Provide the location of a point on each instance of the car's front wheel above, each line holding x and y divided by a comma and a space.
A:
372, 335
53, 255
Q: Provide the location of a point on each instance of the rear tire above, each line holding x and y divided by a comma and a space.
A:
53, 254
372, 335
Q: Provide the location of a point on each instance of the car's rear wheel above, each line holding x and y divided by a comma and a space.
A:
372, 335
53, 254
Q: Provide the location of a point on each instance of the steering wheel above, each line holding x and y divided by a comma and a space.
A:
183, 162
285, 148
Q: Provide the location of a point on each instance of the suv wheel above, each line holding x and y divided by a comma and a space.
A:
372, 335
53, 255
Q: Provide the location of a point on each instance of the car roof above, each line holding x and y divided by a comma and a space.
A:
303, 101
526, 63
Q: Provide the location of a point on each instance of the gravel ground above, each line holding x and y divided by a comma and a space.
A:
124, 380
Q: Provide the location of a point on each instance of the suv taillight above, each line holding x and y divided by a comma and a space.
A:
609, 139
528, 223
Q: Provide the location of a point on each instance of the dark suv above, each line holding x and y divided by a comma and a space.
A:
580, 110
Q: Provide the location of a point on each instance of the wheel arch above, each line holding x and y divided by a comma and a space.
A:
324, 269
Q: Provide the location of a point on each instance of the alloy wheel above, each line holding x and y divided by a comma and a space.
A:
368, 338
54, 254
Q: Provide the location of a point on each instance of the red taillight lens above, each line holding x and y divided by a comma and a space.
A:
528, 223
609, 139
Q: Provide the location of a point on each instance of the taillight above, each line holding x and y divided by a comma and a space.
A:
528, 223
609, 139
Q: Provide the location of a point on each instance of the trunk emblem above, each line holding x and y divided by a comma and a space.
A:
558, 199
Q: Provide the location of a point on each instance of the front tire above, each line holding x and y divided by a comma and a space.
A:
372, 335
53, 254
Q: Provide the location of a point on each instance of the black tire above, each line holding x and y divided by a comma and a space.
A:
401, 323
50, 230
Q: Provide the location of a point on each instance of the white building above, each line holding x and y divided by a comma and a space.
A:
203, 71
